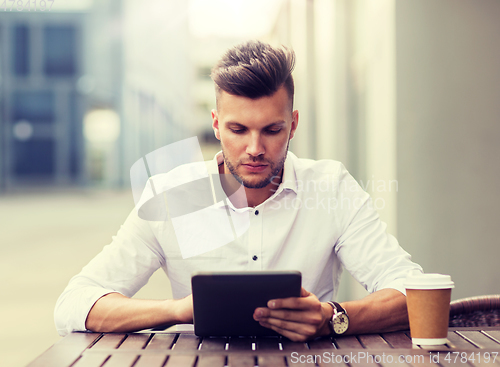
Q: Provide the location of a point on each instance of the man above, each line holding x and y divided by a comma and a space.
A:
293, 225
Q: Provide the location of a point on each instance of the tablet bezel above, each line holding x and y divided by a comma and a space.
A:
224, 302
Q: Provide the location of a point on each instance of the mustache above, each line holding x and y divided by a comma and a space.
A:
256, 160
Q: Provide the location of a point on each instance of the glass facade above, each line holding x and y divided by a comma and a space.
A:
34, 157
33, 106
40, 108
59, 51
21, 50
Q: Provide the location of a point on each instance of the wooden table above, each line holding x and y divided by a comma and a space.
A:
466, 347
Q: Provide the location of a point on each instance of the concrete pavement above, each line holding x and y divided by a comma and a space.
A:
45, 239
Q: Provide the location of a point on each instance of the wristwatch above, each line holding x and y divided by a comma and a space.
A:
340, 320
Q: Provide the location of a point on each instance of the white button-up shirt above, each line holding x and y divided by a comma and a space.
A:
318, 221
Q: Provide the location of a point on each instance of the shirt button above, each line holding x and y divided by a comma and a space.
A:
256, 213
254, 258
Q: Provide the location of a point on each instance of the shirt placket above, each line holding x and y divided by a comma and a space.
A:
255, 240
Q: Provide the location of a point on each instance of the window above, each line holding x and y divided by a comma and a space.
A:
20, 50
59, 51
33, 106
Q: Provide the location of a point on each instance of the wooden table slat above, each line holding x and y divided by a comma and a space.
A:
109, 341
484, 364
210, 361
419, 360
240, 360
151, 360
186, 342
363, 362
180, 361
329, 363
480, 339
66, 350
111, 350
213, 344
348, 342
398, 340
373, 341
241, 343
391, 360
495, 334
91, 360
135, 341
161, 341
268, 343
271, 360
299, 359
290, 346
456, 341
121, 360
321, 343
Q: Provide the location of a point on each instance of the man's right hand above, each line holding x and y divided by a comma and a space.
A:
116, 313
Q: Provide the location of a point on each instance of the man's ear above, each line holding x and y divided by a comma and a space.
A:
215, 124
295, 123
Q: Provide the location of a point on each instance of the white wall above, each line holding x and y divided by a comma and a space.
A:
448, 113
157, 77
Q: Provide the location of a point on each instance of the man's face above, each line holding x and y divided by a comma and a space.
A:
254, 135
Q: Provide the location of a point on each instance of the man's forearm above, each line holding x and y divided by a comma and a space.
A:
381, 311
117, 313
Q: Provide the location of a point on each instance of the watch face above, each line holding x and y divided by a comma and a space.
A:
340, 324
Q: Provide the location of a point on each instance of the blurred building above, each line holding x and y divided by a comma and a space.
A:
88, 90
41, 108
404, 93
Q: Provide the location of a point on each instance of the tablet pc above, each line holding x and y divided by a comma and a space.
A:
224, 302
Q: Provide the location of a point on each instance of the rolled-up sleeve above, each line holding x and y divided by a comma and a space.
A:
124, 266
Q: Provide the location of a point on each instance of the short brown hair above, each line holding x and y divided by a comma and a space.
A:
254, 69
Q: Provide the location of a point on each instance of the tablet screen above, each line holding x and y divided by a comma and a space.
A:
224, 302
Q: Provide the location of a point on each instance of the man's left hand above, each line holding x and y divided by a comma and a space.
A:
297, 318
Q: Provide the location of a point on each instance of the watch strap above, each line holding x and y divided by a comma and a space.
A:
337, 308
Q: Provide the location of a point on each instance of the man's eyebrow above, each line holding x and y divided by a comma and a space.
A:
276, 123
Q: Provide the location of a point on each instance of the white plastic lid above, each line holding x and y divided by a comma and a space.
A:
429, 281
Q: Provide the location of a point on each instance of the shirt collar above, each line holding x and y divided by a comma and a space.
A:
289, 180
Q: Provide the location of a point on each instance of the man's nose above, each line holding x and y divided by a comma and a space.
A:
255, 146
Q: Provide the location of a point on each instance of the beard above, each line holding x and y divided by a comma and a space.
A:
276, 168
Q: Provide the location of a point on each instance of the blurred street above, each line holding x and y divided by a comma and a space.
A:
403, 93
45, 239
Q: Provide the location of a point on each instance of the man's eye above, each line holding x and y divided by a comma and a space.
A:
237, 131
273, 131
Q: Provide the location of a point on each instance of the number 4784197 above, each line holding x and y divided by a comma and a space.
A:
28, 5
464, 357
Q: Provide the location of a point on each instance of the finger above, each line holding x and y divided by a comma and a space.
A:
302, 317
265, 314
292, 325
296, 303
294, 335
293, 302
261, 313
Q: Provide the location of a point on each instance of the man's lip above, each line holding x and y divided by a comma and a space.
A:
254, 168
